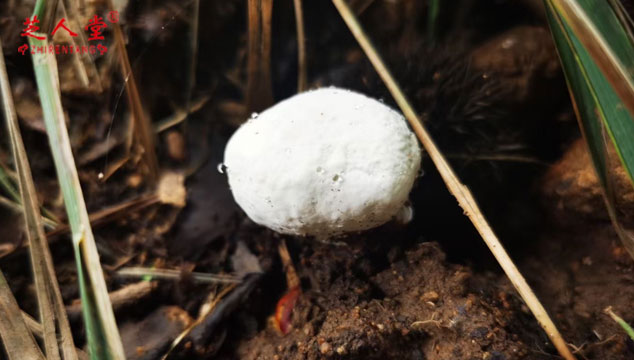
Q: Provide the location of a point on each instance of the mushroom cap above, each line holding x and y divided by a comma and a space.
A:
323, 163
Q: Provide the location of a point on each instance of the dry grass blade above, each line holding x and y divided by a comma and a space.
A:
37, 330
301, 47
18, 340
460, 191
84, 65
6, 182
112, 213
101, 327
143, 130
16, 337
7, 179
259, 89
193, 54
141, 272
181, 114
51, 306
204, 313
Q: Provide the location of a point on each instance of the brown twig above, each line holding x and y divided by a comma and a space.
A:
126, 296
112, 213
457, 189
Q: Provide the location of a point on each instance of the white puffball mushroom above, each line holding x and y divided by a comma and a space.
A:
323, 163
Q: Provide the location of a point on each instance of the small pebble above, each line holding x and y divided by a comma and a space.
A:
175, 145
341, 350
325, 348
430, 296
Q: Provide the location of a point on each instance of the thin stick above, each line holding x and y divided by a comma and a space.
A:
301, 47
460, 191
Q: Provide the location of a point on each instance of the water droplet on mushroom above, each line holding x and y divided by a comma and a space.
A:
254, 116
337, 178
221, 168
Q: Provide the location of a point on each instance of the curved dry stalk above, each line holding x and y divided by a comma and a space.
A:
457, 189
301, 47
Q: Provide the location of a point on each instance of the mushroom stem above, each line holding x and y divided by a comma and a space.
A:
457, 189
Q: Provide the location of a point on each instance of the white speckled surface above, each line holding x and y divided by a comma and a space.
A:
323, 163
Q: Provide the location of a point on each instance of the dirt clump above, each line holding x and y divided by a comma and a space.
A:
408, 305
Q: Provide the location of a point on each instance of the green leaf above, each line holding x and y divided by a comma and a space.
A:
599, 85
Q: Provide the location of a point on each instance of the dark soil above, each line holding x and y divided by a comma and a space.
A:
490, 90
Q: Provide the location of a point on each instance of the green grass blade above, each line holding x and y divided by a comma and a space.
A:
432, 19
622, 323
101, 328
602, 114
